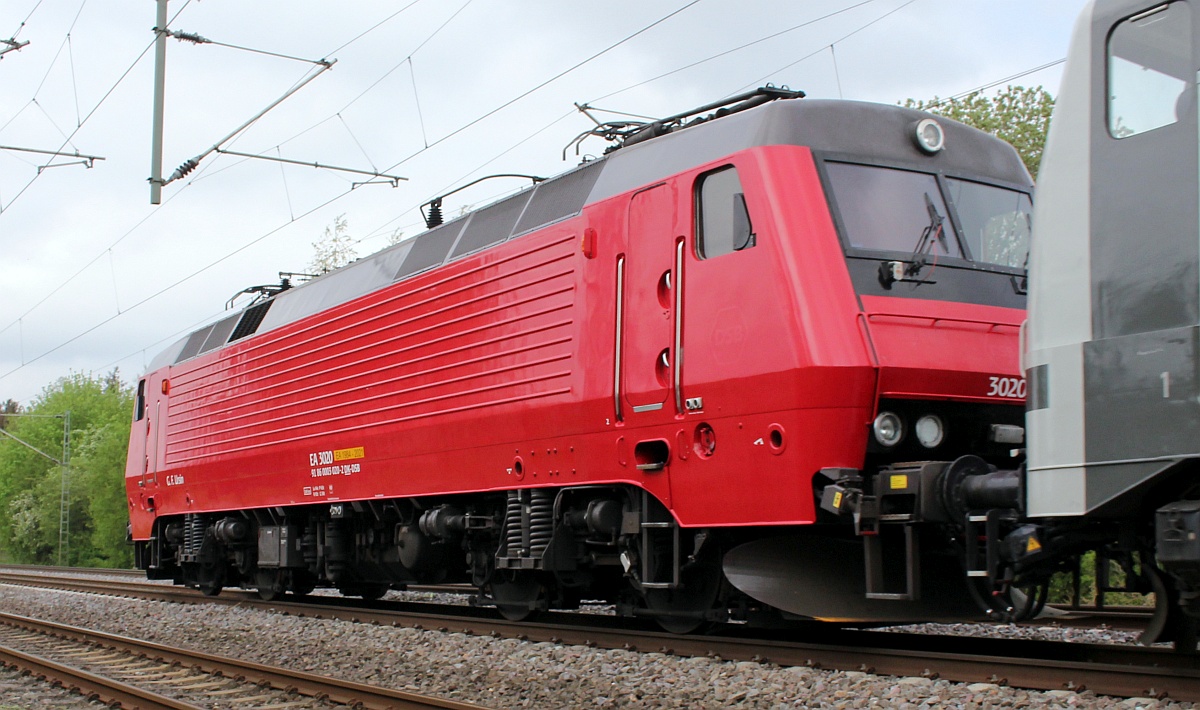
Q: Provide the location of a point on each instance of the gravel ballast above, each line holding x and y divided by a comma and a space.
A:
506, 673
25, 691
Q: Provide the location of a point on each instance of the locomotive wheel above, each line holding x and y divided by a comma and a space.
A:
371, 592
269, 585
684, 610
210, 578
302, 584
517, 595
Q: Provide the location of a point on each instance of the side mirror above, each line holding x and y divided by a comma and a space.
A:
743, 237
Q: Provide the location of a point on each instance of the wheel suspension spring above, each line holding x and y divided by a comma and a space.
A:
541, 521
512, 525
193, 534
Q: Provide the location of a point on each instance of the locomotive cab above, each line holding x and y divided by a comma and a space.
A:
931, 223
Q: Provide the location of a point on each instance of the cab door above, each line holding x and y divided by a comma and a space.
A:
650, 324
150, 407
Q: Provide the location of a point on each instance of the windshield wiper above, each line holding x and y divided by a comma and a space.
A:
1021, 285
893, 271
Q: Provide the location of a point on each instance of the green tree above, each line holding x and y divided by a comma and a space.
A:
31, 483
1018, 115
11, 406
335, 248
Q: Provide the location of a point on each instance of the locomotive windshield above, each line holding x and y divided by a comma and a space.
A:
995, 221
884, 209
888, 210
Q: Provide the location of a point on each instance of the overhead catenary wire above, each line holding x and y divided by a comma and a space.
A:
166, 288
66, 41
334, 199
417, 100
294, 218
6, 206
144, 219
206, 319
543, 84
726, 52
372, 28
74, 84
339, 196
286, 192
324, 64
358, 143
61, 132
413, 74
994, 84
383, 229
444, 138
843, 38
836, 74
295, 86
407, 59
147, 217
20, 27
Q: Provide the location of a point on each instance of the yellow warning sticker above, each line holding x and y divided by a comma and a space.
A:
1033, 545
898, 481
837, 499
348, 454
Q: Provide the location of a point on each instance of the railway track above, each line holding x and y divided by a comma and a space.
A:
1105, 669
135, 673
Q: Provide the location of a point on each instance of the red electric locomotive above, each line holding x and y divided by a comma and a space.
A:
685, 377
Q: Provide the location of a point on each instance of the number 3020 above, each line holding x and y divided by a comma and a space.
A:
1012, 387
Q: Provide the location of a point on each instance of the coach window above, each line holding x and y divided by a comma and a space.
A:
723, 222
1149, 68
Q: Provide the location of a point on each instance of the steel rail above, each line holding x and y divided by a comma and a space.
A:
55, 570
1106, 669
83, 582
308, 684
107, 690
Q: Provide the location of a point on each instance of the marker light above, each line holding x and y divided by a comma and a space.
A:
929, 136
888, 428
930, 431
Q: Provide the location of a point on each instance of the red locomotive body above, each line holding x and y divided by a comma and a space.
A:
605, 385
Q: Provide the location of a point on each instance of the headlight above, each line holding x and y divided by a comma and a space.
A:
928, 136
888, 428
930, 431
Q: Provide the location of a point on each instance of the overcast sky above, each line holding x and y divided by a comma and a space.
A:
95, 277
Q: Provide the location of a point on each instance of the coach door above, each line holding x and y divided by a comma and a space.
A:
1140, 378
650, 326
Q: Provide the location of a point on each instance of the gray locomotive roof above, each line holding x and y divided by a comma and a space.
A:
878, 132
853, 128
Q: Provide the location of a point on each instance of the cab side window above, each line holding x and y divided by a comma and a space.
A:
139, 410
722, 220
